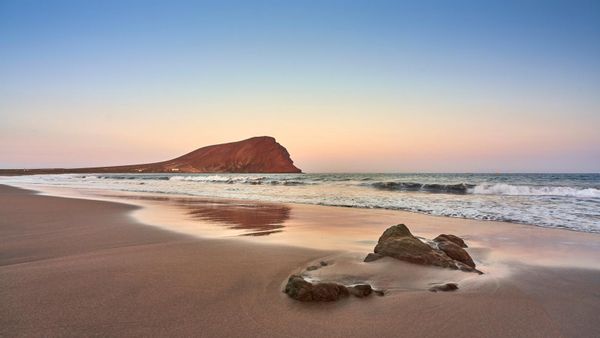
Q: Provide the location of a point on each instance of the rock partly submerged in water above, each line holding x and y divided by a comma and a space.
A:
456, 252
372, 257
398, 242
317, 267
300, 289
446, 251
361, 290
444, 287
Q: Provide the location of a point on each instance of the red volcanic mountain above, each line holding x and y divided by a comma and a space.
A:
254, 155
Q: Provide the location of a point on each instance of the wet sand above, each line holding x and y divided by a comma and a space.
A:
73, 267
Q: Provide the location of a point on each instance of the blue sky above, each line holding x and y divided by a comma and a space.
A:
345, 85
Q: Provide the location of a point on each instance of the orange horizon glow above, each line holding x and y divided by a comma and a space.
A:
345, 87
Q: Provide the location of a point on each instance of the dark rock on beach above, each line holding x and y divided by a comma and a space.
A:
446, 251
451, 238
300, 289
456, 252
444, 287
399, 243
321, 264
361, 290
372, 257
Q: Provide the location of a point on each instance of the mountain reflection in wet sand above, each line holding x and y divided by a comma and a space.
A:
255, 219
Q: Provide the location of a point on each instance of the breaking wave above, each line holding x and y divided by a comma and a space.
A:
488, 189
526, 190
460, 188
237, 179
128, 177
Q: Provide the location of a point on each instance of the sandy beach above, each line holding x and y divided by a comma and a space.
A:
300, 169
73, 267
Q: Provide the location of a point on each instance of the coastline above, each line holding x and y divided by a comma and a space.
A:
563, 201
346, 229
73, 267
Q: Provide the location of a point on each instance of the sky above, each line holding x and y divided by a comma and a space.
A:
345, 86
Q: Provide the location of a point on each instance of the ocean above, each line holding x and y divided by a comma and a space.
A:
569, 201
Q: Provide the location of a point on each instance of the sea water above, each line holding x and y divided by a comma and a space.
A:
570, 201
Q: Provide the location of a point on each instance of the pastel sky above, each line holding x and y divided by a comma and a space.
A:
346, 86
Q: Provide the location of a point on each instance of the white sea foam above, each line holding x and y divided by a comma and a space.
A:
218, 179
212, 178
524, 190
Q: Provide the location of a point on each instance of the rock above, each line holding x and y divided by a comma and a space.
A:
399, 230
444, 287
372, 257
361, 290
298, 288
456, 252
316, 267
398, 242
451, 238
466, 268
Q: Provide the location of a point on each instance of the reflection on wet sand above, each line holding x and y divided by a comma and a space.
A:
255, 219
493, 245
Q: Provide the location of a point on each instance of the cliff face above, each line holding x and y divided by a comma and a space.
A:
254, 155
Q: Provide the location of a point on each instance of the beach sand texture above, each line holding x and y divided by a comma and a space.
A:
74, 267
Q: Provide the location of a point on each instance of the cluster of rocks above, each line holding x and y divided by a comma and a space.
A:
446, 251
300, 289
316, 267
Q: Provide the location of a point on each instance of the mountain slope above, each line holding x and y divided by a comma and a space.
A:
255, 155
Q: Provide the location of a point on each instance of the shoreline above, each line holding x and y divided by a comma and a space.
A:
124, 197
73, 266
523, 200
350, 229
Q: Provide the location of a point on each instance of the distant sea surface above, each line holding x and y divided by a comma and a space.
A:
570, 201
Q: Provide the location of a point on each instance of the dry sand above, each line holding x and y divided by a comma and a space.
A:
71, 267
